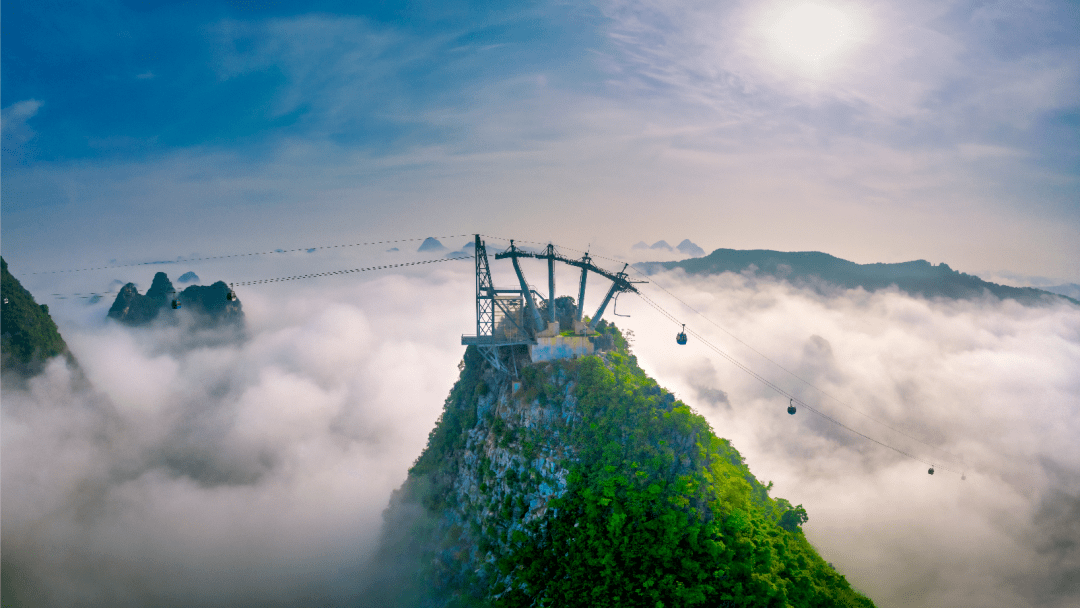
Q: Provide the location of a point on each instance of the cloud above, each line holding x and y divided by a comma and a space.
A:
926, 141
989, 385
255, 472
230, 474
14, 130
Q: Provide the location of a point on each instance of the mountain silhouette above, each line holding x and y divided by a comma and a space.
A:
208, 304
821, 271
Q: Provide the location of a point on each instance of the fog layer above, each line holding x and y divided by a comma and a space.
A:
241, 474
189, 472
984, 388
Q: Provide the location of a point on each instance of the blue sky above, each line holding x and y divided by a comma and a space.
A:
939, 130
875, 131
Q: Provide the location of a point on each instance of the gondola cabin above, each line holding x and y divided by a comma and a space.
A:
680, 338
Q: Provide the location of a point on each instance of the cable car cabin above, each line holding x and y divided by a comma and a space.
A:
791, 407
931, 471
230, 296
680, 338
176, 304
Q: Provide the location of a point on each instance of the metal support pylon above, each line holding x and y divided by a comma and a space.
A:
586, 261
485, 305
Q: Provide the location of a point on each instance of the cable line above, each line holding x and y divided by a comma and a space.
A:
292, 278
954, 457
793, 374
765, 381
351, 270
241, 255
781, 391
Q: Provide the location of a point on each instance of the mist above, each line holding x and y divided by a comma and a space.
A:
245, 473
173, 470
986, 388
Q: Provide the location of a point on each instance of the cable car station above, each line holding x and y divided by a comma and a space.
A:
506, 318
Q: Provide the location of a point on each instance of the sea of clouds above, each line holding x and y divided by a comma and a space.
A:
985, 388
178, 469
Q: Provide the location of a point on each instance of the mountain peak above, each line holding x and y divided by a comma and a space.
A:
431, 244
160, 288
209, 304
528, 483
688, 248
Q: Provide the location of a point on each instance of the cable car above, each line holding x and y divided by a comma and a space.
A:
963, 477
681, 336
931, 471
791, 407
176, 304
231, 295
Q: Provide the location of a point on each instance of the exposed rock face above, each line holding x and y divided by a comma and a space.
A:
490, 484
28, 335
209, 304
132, 308
584, 482
212, 305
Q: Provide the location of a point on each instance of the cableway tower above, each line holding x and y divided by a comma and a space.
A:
506, 318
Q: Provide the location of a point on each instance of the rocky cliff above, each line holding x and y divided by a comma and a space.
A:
584, 482
209, 304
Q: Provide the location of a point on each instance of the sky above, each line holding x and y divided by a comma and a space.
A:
874, 131
258, 469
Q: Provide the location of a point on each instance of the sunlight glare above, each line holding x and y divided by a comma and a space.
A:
811, 32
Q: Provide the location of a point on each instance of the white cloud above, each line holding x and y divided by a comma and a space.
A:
14, 130
228, 474
224, 474
991, 382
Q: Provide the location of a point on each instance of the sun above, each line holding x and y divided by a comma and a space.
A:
810, 33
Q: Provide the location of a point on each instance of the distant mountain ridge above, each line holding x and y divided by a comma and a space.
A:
814, 269
1071, 290
686, 247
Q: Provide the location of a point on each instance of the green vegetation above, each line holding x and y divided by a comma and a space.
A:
661, 512
656, 510
28, 335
